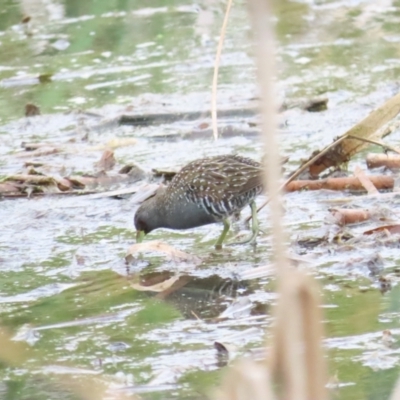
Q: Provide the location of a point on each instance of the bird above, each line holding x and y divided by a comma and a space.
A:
205, 191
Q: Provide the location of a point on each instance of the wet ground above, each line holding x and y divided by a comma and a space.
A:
150, 326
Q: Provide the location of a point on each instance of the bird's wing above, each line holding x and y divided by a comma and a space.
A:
221, 178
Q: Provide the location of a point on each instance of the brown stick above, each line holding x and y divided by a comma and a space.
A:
345, 216
376, 160
381, 182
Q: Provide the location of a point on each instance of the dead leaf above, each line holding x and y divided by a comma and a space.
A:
116, 143
107, 160
134, 171
387, 338
121, 142
204, 125
158, 287
144, 193
64, 184
31, 110
392, 229
257, 272
31, 179
385, 284
9, 187
165, 174
71, 182
315, 104
43, 151
160, 247
45, 78
33, 164
222, 354
30, 146
345, 216
33, 171
101, 179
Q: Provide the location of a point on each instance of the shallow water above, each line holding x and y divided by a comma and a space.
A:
65, 289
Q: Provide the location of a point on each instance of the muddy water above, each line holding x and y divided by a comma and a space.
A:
65, 289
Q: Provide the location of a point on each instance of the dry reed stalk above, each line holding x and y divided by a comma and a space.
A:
216, 69
396, 391
296, 354
246, 380
295, 357
260, 14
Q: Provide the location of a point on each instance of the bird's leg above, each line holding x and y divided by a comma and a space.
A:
254, 222
254, 226
218, 244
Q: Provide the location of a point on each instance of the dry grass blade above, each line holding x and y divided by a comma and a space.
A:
216, 68
377, 143
365, 181
296, 355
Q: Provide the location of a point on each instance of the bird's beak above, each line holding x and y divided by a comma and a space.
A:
140, 236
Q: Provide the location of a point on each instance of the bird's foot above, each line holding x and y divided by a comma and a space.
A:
254, 228
252, 239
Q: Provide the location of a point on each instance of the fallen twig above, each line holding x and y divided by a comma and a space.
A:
376, 160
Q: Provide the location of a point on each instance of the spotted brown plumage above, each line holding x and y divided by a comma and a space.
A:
205, 191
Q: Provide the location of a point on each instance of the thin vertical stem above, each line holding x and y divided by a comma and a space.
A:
264, 42
216, 69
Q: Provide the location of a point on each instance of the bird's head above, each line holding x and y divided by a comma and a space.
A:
148, 217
